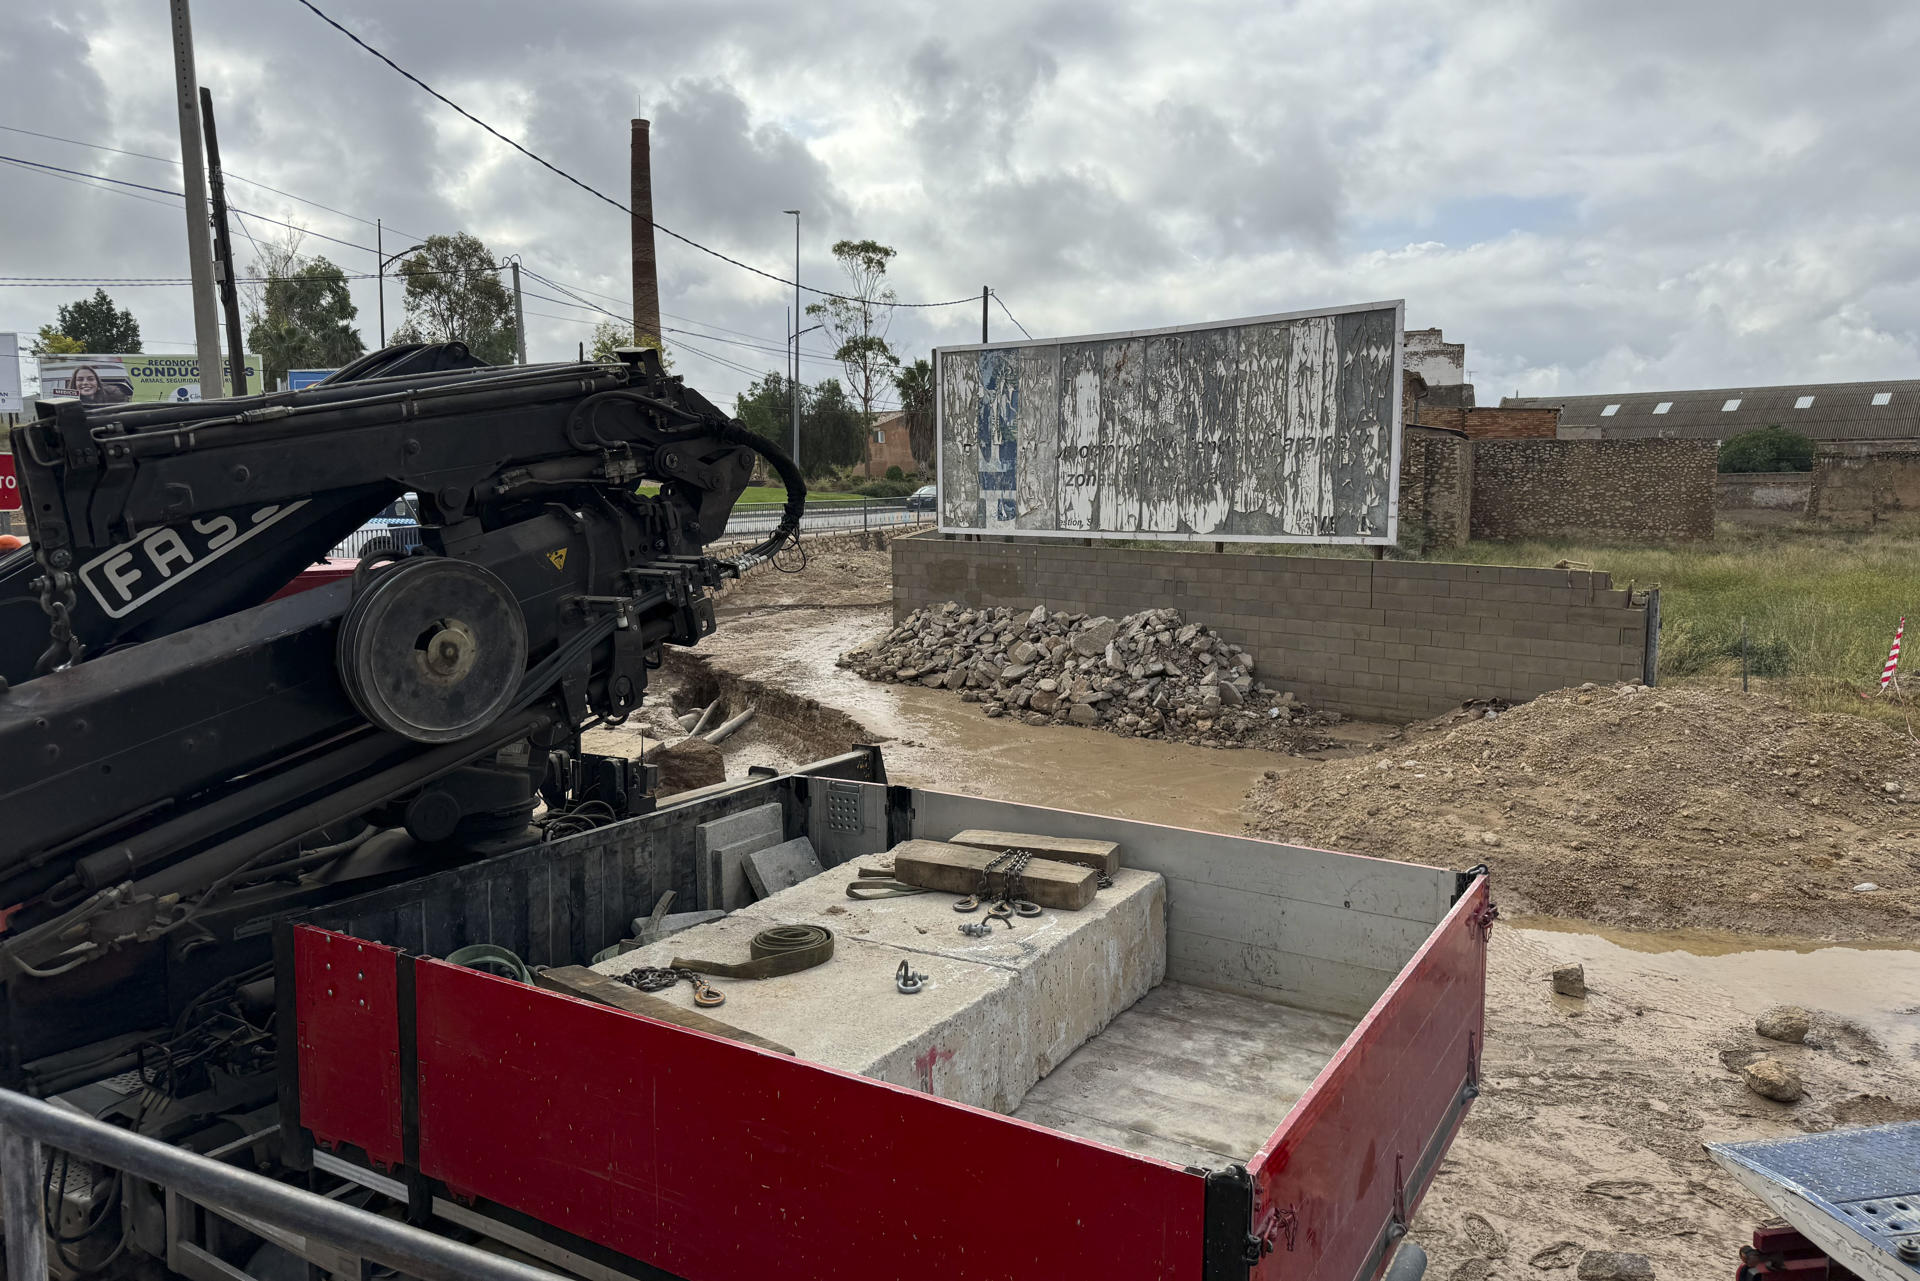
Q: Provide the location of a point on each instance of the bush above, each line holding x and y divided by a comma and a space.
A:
885, 488
894, 473
1766, 449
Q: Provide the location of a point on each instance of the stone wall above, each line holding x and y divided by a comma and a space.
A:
1641, 490
1855, 492
1762, 497
1436, 489
1395, 640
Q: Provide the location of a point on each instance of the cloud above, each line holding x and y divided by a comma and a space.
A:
1593, 198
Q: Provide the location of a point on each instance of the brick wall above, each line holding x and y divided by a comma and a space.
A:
1491, 423
1395, 640
1655, 490
1436, 489
1854, 491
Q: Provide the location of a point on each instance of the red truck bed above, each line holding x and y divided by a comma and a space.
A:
619, 1145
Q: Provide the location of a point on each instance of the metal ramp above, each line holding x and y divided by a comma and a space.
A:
1853, 1193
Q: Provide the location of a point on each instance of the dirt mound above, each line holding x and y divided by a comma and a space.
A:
1648, 808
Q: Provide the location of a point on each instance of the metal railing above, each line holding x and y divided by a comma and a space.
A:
859, 513
288, 1213
746, 520
354, 545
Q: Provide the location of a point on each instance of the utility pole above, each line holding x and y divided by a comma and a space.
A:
223, 252
983, 314
793, 376
646, 276
193, 162
519, 317
380, 278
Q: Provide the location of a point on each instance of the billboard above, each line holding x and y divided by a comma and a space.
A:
123, 379
9, 373
1282, 428
299, 378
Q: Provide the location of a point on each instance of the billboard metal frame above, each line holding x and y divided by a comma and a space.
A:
1390, 538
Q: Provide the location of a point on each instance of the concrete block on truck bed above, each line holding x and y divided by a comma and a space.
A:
1077, 970
781, 867
1102, 856
997, 1013
721, 847
956, 869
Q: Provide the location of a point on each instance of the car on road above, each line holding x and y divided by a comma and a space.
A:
921, 500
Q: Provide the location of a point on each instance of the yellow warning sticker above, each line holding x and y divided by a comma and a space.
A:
558, 557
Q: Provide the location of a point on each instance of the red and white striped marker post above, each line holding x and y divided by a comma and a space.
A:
1893, 657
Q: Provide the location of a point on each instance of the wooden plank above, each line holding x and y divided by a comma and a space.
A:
955, 869
1101, 856
581, 982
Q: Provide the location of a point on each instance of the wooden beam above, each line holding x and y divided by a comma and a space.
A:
578, 980
955, 869
1101, 856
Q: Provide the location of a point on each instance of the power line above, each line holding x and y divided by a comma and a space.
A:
141, 186
1010, 316
593, 191
169, 160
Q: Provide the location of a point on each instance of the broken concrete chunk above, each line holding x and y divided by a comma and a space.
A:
1772, 1079
1095, 637
1571, 980
1784, 1023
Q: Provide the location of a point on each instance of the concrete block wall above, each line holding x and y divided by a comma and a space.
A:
1392, 640
1655, 490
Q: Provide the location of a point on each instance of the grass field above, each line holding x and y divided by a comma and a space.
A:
1819, 609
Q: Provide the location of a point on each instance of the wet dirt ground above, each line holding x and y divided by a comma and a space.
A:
1588, 1134
932, 739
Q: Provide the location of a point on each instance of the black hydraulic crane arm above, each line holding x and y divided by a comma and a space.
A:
170, 732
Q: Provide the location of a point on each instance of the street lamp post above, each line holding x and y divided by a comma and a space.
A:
380, 272
793, 369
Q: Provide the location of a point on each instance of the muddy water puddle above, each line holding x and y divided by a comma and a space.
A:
933, 739
1876, 986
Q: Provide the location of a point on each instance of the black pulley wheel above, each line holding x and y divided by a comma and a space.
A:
433, 650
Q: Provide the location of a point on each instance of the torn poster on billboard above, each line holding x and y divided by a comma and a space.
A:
1275, 429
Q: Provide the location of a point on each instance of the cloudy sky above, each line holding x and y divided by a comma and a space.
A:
1636, 195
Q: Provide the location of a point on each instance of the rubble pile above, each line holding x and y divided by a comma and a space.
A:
1147, 675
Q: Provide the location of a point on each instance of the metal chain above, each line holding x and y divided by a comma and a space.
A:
660, 978
1016, 885
984, 890
57, 600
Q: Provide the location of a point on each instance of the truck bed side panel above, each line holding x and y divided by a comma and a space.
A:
346, 1003
1360, 1147
719, 1162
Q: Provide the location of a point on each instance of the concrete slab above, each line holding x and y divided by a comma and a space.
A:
846, 1014
1077, 969
721, 847
998, 1014
781, 867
